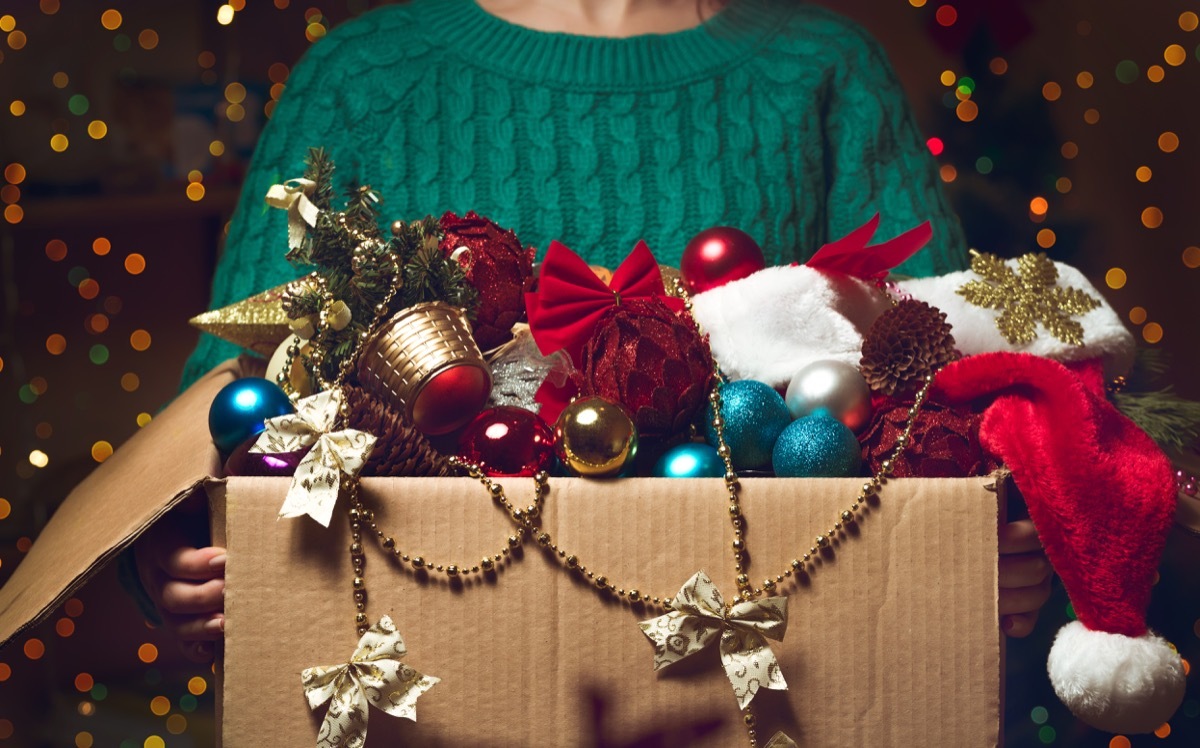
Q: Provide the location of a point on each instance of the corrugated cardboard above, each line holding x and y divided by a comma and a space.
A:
896, 630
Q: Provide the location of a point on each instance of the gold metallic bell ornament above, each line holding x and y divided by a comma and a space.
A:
595, 438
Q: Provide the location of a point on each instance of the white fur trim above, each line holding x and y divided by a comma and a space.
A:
772, 324
974, 328
1114, 682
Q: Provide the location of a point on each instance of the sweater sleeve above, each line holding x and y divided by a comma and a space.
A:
877, 161
313, 111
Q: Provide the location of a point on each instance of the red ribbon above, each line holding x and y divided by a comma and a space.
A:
570, 298
850, 255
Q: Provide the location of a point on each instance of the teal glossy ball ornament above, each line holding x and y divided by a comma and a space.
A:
817, 447
691, 460
240, 409
755, 415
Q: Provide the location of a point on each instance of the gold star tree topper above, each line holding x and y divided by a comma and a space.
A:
1026, 297
258, 323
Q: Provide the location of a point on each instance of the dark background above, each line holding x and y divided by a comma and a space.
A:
1049, 119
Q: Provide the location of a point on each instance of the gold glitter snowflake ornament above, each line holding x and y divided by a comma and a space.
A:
1026, 297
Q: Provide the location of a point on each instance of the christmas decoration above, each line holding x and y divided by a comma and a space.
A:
944, 443
652, 361
286, 367
570, 299
754, 416
499, 269
426, 363
519, 369
904, 345
833, 388
244, 462
1027, 297
318, 477
595, 438
851, 256
507, 441
1102, 496
240, 409
375, 676
816, 446
400, 448
690, 460
699, 616
257, 324
717, 256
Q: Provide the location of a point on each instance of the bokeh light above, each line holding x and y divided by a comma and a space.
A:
135, 264
1051, 91
1084, 80
56, 344
1168, 142
1143, 174
147, 653
1155, 73
197, 686
148, 39
1091, 115
946, 15
34, 648
1188, 21
1191, 258
225, 15
998, 66
101, 451
59, 143
139, 340
1152, 333
64, 627
39, 459
1137, 315
160, 705
111, 19
1174, 55
1069, 150
1152, 217
1046, 238
97, 129
84, 682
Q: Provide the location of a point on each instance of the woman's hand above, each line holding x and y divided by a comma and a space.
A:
1024, 575
187, 584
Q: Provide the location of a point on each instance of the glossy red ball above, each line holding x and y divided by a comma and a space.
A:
717, 256
506, 441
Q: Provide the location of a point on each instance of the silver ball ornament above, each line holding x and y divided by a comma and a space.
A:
832, 388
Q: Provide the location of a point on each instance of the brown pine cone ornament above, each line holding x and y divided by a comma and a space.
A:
904, 345
499, 268
651, 360
400, 449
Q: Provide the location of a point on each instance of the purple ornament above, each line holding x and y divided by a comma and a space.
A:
244, 462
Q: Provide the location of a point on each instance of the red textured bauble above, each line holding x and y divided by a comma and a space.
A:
944, 442
498, 267
717, 256
505, 441
652, 361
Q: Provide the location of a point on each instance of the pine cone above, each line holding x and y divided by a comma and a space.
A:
400, 449
904, 345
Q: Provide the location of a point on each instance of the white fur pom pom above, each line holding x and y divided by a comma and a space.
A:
1113, 682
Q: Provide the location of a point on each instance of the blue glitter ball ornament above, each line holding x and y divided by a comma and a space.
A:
692, 460
816, 447
239, 409
755, 414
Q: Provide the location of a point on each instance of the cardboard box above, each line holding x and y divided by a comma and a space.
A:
895, 630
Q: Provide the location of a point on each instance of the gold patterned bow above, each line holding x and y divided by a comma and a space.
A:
700, 614
374, 675
317, 481
292, 196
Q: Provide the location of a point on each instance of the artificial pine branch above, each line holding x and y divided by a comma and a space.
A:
1170, 420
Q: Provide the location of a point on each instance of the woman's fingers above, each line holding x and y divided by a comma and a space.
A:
1016, 600
1023, 570
198, 628
1018, 625
191, 598
184, 562
1018, 537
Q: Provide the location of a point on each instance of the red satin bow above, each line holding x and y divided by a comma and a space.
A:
851, 255
570, 298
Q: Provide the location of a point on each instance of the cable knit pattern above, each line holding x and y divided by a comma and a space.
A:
780, 118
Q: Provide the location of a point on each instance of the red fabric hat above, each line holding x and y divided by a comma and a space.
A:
1102, 496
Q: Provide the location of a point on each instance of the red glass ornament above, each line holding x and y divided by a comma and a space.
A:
717, 256
506, 441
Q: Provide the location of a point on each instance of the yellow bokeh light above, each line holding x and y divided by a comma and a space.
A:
154, 741
16, 108
998, 66
269, 108
60, 80
1084, 79
917, 3
195, 192
59, 143
14, 173
1046, 238
277, 90
148, 39
1188, 21
216, 148
101, 246
195, 175
176, 724
967, 110
130, 382
1063, 185
948, 77
1152, 217
1091, 116
1174, 55
83, 740
1137, 315
948, 172
16, 39
139, 340
197, 686
147, 653
225, 15
101, 451
56, 344
1168, 142
39, 459
160, 705
111, 19
1069, 150
1115, 278
1038, 206
238, 5
135, 264
1155, 73
1191, 257
97, 129
1052, 91
7, 23
143, 419
5, 510
14, 214
314, 31
235, 112
1152, 333
1143, 174
235, 93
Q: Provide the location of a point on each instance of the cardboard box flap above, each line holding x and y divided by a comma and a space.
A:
159, 466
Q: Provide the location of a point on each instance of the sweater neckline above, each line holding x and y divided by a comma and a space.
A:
463, 28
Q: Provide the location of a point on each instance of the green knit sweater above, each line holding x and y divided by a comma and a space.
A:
782, 119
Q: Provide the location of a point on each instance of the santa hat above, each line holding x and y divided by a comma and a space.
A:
1102, 497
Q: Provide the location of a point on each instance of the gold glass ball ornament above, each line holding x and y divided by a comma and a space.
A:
596, 438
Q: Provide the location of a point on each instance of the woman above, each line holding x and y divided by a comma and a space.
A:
596, 123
